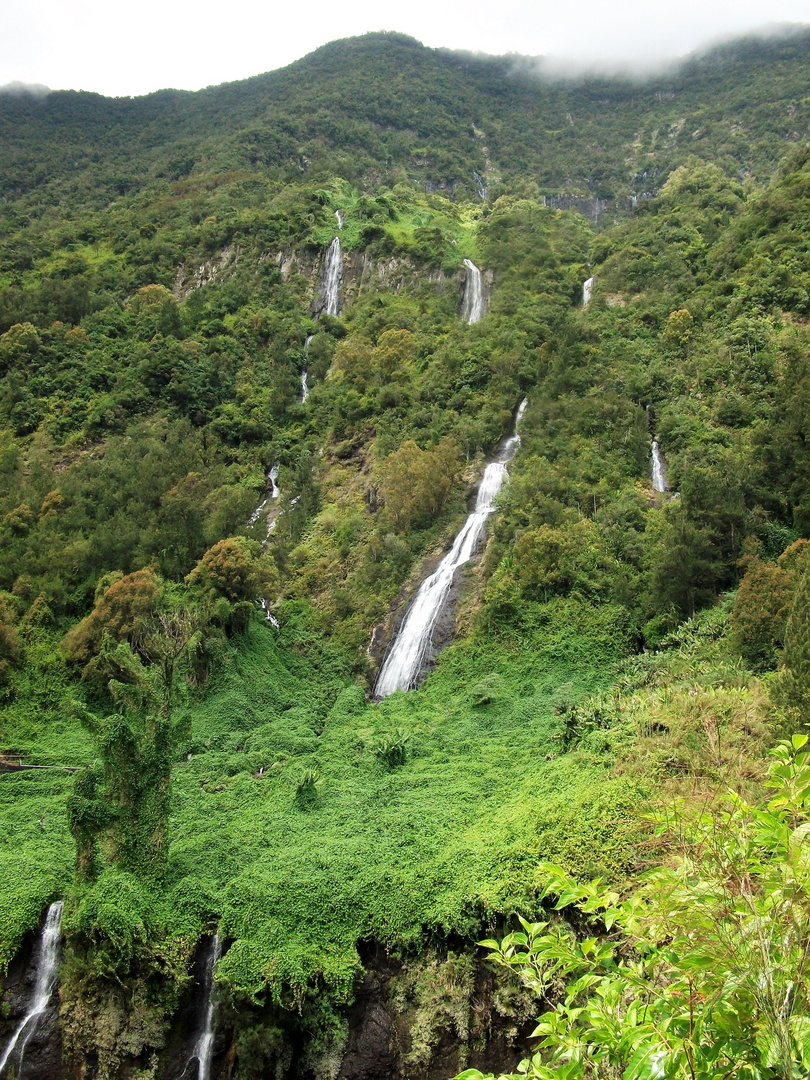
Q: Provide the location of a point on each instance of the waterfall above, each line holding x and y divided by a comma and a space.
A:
204, 1046
272, 476
410, 649
47, 969
587, 289
332, 278
273, 492
472, 304
305, 372
268, 614
339, 217
659, 476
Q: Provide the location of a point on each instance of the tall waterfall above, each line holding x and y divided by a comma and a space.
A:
204, 1046
410, 650
587, 289
47, 969
332, 278
659, 475
472, 304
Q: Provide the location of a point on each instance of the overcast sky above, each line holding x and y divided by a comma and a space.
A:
127, 49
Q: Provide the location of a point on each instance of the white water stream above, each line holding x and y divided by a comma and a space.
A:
305, 372
268, 614
273, 493
410, 649
204, 1047
473, 307
587, 289
332, 278
47, 970
659, 475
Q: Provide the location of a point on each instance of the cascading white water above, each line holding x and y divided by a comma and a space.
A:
47, 969
305, 372
204, 1047
273, 493
473, 308
332, 278
587, 289
411, 647
268, 614
339, 217
659, 475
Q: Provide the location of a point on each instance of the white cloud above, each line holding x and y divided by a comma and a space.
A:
134, 49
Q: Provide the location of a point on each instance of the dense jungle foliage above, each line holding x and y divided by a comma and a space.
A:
615, 647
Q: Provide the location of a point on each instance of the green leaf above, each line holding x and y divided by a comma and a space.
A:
648, 1063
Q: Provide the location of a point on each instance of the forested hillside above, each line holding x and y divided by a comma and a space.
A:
246, 404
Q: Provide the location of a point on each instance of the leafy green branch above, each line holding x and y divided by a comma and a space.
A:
701, 971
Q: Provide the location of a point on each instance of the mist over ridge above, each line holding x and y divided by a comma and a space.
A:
549, 67
555, 68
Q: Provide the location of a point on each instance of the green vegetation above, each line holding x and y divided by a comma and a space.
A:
708, 976
614, 647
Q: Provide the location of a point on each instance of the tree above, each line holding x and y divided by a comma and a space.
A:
235, 571
155, 311
792, 690
122, 601
678, 330
11, 649
763, 602
702, 971
414, 482
126, 798
18, 344
682, 561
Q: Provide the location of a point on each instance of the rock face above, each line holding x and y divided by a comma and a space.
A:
178, 1059
186, 280
43, 1051
428, 1019
425, 1018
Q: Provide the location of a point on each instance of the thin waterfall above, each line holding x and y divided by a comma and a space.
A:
587, 289
47, 970
305, 372
268, 614
204, 1046
273, 492
332, 279
659, 474
272, 476
410, 650
473, 308
339, 217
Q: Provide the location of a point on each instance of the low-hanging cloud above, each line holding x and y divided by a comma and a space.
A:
646, 64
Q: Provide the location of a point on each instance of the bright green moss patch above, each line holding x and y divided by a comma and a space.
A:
440, 844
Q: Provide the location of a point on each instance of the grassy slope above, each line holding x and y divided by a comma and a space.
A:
444, 844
